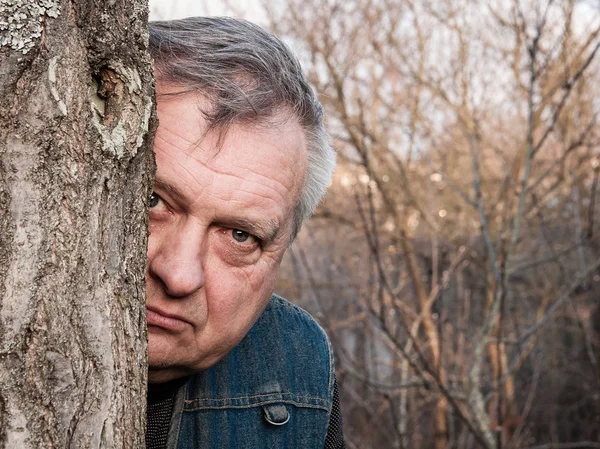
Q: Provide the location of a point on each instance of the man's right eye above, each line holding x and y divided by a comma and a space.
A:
153, 200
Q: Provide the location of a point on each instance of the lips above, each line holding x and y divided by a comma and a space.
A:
158, 318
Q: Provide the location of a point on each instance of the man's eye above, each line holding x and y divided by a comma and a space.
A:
153, 200
240, 236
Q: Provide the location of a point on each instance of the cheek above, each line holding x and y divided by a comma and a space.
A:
261, 277
238, 290
227, 282
151, 244
155, 232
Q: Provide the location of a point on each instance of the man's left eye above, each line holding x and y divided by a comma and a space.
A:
240, 236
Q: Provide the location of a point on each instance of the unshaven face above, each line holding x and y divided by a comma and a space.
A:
220, 221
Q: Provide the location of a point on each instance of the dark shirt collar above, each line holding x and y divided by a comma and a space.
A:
163, 391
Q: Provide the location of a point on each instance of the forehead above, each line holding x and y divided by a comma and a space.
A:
253, 167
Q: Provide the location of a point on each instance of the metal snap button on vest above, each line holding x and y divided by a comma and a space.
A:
276, 414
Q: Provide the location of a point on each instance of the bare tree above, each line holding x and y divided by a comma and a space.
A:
463, 256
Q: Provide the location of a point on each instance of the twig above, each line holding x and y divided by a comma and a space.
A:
382, 385
564, 296
528, 403
475, 396
551, 258
594, 188
573, 146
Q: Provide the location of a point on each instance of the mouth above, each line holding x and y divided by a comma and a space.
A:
158, 318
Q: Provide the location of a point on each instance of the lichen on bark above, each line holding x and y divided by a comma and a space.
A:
21, 22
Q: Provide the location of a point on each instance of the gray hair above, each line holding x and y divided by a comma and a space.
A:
248, 75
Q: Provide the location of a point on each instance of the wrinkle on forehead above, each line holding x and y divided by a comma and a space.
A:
195, 189
191, 144
241, 181
257, 166
217, 161
216, 170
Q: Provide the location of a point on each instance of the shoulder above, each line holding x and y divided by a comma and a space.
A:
291, 323
285, 356
296, 345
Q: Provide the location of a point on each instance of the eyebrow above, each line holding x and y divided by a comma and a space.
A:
265, 230
168, 188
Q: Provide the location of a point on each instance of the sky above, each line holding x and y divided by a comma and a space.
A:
251, 10
177, 9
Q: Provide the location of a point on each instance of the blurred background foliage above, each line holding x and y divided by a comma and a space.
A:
455, 261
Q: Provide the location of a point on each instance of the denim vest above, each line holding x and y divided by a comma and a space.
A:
273, 390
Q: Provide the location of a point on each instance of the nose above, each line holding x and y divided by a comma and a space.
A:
175, 259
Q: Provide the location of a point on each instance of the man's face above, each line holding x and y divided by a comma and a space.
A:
220, 221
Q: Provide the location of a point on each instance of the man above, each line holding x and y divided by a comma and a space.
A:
242, 159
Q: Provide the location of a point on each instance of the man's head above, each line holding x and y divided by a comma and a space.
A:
249, 76
242, 159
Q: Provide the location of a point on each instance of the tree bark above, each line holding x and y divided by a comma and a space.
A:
76, 162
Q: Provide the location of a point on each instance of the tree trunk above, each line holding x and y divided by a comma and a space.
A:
75, 165
433, 341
